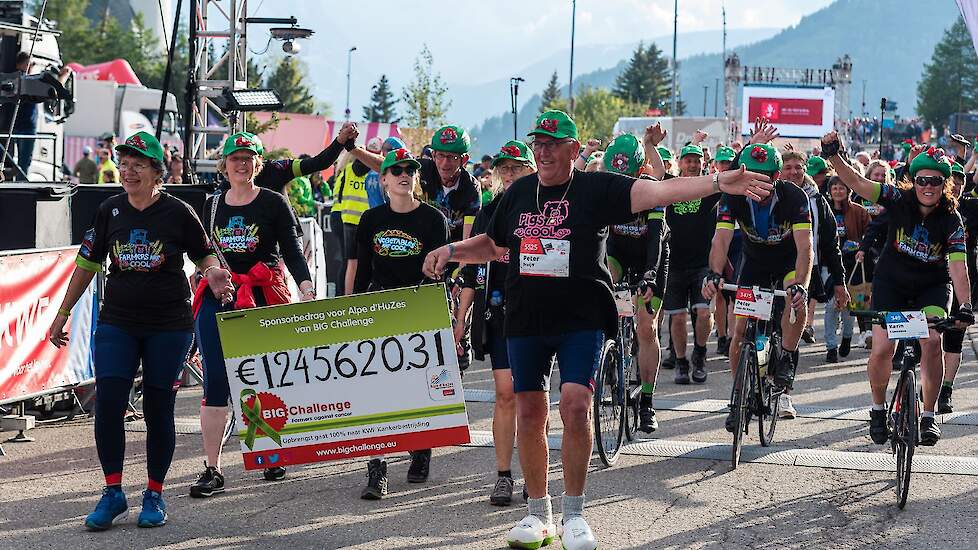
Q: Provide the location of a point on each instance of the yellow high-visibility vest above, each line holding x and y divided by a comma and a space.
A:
353, 195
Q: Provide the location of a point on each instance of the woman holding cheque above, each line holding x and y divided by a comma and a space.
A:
392, 242
254, 233
145, 318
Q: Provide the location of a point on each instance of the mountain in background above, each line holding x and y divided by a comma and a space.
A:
470, 102
889, 42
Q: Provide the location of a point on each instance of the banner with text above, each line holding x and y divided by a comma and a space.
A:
32, 286
352, 376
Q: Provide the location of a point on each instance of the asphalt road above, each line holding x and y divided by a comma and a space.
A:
644, 501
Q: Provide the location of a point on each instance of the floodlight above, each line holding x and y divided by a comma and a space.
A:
252, 100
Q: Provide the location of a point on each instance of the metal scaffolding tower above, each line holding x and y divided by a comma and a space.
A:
216, 26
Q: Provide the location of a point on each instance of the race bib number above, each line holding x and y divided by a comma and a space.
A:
623, 299
544, 257
754, 303
335, 379
906, 325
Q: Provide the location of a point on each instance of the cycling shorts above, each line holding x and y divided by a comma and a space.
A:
578, 357
635, 278
752, 274
953, 340
684, 289
932, 299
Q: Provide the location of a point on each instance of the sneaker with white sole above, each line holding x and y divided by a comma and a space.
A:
575, 534
785, 408
531, 533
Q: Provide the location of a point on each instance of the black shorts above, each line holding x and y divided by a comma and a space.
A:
349, 241
684, 289
754, 274
933, 299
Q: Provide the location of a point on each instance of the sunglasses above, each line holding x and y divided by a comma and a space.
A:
398, 170
929, 181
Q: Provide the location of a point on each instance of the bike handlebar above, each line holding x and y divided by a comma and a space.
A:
939, 324
734, 288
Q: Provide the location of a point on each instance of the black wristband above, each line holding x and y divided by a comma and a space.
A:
829, 150
350, 145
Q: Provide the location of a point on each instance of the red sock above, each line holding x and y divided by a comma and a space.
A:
155, 486
113, 479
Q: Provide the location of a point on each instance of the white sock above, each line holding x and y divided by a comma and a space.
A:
879, 406
927, 414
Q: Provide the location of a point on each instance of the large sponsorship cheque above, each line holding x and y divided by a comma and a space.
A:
353, 376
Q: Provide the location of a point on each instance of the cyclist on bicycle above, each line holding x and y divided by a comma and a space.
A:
635, 249
925, 244
777, 249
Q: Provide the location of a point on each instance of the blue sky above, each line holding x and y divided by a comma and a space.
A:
477, 41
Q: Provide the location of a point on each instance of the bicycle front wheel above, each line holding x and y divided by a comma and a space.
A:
741, 391
905, 434
609, 405
768, 405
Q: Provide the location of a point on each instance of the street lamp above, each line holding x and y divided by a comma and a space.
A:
349, 61
514, 92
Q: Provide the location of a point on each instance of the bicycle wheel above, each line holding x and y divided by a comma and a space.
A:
741, 394
609, 411
905, 434
768, 397
633, 381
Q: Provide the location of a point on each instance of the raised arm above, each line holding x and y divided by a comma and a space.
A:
371, 160
647, 194
592, 145
650, 142
831, 146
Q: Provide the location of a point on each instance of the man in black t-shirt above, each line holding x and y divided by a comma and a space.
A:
554, 226
690, 223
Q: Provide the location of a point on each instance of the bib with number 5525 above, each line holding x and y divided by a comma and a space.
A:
544, 257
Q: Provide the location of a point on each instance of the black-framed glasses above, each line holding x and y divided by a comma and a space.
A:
548, 145
398, 170
929, 181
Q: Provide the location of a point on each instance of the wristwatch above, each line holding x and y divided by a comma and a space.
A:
716, 182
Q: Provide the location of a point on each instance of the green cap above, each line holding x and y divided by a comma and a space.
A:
514, 149
956, 168
664, 153
242, 140
142, 143
933, 159
556, 124
399, 156
691, 150
451, 139
624, 155
761, 157
815, 165
725, 154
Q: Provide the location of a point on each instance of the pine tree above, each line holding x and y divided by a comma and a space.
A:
426, 98
551, 96
646, 78
381, 107
289, 83
949, 84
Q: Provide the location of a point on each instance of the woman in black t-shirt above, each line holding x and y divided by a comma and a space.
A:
484, 286
392, 242
254, 233
145, 318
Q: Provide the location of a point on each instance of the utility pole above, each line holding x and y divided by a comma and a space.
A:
570, 85
705, 90
716, 96
349, 62
675, 26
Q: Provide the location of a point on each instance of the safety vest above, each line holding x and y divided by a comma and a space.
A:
353, 195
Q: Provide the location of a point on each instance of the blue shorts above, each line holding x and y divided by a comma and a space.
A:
217, 392
496, 345
119, 352
578, 357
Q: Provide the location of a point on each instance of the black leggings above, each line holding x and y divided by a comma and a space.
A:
110, 436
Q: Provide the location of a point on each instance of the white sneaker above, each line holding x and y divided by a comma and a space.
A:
576, 535
531, 533
785, 408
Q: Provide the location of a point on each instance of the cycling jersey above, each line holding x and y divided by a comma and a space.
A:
459, 203
917, 248
767, 228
